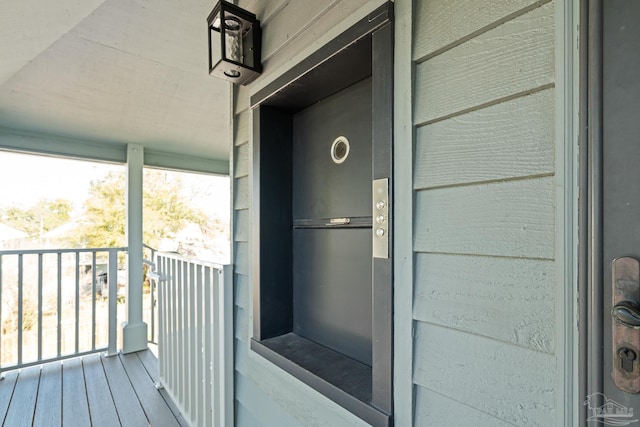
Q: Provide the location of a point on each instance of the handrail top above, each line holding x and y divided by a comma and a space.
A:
179, 257
55, 251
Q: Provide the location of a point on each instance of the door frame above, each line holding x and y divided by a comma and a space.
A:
596, 32
272, 108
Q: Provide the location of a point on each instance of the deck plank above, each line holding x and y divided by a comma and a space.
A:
150, 363
89, 391
75, 407
23, 400
7, 385
129, 410
101, 406
49, 400
155, 407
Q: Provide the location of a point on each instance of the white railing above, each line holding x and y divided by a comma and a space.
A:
56, 304
59, 303
150, 312
195, 340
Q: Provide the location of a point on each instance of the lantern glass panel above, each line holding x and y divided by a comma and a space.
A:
215, 23
215, 46
247, 42
234, 27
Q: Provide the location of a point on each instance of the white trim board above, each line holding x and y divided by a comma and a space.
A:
57, 146
567, 107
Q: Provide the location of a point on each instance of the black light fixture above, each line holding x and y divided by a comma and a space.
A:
235, 41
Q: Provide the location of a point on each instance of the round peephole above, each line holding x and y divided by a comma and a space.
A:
232, 73
232, 23
340, 149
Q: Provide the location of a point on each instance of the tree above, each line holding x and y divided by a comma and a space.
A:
104, 213
165, 209
43, 216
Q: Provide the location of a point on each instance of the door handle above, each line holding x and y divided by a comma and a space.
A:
627, 314
625, 333
338, 221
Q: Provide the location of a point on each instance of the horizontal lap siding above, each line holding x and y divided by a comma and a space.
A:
441, 27
241, 227
261, 408
508, 382
266, 395
508, 140
511, 219
484, 296
484, 226
241, 161
241, 193
513, 58
451, 411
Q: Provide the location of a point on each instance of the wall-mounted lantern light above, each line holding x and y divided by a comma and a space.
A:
235, 41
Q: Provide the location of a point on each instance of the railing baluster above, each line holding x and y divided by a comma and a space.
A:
199, 379
226, 309
154, 299
185, 332
193, 379
208, 347
59, 353
153, 285
185, 349
20, 309
1, 286
169, 357
39, 306
175, 322
77, 305
112, 283
180, 336
215, 349
93, 300
161, 327
171, 320
152, 289
187, 312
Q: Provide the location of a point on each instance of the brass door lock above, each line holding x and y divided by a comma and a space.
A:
625, 324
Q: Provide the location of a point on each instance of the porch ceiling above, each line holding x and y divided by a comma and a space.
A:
114, 71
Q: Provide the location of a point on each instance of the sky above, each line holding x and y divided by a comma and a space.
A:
25, 179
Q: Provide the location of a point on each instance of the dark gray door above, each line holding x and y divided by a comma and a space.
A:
620, 213
332, 248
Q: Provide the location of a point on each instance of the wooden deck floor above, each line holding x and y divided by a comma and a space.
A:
89, 391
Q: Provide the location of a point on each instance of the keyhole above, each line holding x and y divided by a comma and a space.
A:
627, 357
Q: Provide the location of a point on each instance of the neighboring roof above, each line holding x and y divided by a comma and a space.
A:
10, 233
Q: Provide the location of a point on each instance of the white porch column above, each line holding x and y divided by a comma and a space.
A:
134, 331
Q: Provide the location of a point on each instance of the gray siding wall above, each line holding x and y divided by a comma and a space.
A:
485, 280
265, 395
485, 216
